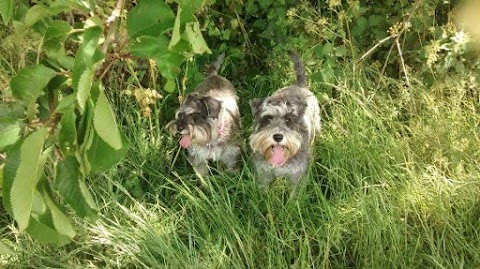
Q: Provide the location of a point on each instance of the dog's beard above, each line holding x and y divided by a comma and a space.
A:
276, 153
201, 134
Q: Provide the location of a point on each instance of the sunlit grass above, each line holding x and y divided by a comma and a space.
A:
384, 191
394, 183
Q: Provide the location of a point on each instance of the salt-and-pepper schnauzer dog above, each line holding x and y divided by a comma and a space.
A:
285, 126
208, 122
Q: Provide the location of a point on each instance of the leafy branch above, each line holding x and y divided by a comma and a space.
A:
396, 33
66, 118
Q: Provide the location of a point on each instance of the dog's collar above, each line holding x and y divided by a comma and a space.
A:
220, 141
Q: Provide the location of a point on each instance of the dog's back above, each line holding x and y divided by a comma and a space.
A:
300, 93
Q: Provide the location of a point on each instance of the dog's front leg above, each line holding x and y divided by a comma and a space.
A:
200, 165
231, 158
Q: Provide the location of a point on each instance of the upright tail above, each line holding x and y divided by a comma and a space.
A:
215, 66
299, 69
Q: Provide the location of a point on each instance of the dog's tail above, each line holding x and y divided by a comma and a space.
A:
299, 69
215, 66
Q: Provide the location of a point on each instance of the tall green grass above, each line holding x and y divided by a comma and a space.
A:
394, 184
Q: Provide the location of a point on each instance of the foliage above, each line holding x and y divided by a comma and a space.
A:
64, 127
393, 183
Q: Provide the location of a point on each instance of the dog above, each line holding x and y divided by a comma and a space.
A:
285, 125
208, 122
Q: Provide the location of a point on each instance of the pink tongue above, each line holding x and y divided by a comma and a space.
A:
278, 158
185, 141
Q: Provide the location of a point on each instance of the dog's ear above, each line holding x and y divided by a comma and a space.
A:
189, 98
170, 127
301, 107
255, 104
212, 106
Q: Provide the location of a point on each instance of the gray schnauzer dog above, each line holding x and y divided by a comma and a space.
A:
208, 122
285, 126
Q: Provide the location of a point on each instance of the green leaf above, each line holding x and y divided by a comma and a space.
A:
5, 250
55, 37
88, 54
9, 131
1, 178
105, 124
361, 24
87, 195
9, 172
38, 205
67, 62
89, 4
85, 128
58, 6
170, 85
85, 136
34, 14
168, 62
43, 233
190, 5
66, 104
60, 221
328, 74
102, 156
327, 49
13, 110
149, 47
176, 29
70, 184
149, 17
26, 178
6, 10
67, 138
84, 86
195, 37
90, 45
94, 21
340, 51
29, 82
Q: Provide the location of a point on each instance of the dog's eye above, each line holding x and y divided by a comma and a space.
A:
267, 119
196, 116
288, 119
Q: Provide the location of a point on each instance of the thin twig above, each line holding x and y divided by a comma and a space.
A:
397, 43
116, 12
371, 50
114, 57
111, 30
397, 40
388, 57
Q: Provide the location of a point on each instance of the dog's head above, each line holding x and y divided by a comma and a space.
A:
279, 129
196, 120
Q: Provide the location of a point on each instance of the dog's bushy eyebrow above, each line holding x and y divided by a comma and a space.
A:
264, 120
209, 106
274, 110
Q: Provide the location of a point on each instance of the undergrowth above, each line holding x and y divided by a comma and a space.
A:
394, 181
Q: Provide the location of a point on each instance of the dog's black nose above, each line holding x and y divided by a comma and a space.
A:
180, 127
278, 137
